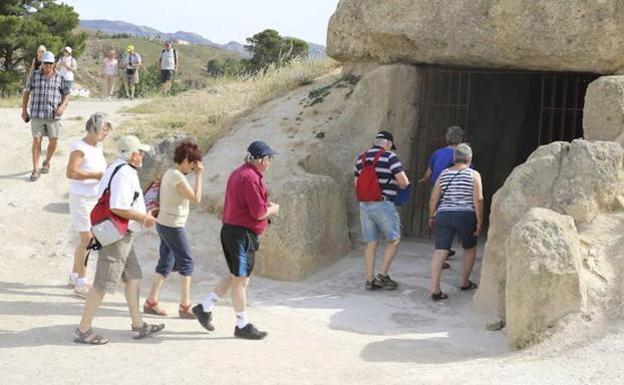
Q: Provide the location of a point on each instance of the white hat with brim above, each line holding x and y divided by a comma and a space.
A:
68, 49
128, 145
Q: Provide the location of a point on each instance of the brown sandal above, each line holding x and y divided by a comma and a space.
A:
89, 338
153, 308
45, 167
184, 311
147, 330
34, 176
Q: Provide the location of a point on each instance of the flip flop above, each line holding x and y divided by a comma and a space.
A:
445, 266
34, 176
439, 296
45, 167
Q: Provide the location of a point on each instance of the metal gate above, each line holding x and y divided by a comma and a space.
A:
561, 106
445, 100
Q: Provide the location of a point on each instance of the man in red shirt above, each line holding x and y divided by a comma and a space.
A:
245, 216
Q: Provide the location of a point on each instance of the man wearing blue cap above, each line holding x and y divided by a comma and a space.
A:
246, 213
48, 95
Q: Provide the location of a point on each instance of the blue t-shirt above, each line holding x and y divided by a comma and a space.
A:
440, 160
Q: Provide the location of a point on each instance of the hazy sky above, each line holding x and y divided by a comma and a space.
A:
219, 21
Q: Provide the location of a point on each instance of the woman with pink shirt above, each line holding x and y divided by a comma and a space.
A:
109, 74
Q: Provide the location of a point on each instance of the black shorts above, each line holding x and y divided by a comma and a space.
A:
449, 223
239, 247
166, 75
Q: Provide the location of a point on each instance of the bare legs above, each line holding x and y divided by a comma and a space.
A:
185, 289
36, 151
390, 252
439, 256
239, 293
94, 300
81, 253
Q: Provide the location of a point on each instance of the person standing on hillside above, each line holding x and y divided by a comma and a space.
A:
167, 66
109, 74
66, 66
378, 173
246, 213
132, 65
118, 261
48, 95
85, 168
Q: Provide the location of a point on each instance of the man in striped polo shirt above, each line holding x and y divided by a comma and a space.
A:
381, 216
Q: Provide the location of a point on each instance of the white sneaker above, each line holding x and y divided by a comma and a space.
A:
71, 282
82, 291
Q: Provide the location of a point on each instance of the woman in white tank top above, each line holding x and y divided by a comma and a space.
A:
85, 169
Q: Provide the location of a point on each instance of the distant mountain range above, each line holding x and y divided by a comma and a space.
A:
117, 27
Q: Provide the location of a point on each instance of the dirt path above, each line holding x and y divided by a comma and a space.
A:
325, 329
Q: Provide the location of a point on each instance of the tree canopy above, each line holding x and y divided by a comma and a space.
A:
26, 24
268, 47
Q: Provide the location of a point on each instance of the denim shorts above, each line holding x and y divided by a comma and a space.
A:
174, 251
450, 223
379, 217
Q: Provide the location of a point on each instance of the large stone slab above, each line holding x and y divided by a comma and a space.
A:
603, 114
571, 35
543, 263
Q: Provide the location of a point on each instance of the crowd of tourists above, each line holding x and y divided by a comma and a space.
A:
113, 192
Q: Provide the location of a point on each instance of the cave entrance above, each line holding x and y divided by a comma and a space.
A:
506, 115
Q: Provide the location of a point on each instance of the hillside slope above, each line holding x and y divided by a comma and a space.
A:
193, 59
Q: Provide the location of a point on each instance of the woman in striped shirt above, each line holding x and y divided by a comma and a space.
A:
456, 207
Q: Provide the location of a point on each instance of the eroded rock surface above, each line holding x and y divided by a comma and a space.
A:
573, 35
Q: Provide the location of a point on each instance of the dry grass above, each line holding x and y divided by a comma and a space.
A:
11, 102
205, 115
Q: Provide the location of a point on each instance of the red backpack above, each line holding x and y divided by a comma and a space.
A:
367, 187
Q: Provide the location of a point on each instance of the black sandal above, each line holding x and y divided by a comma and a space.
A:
439, 296
445, 266
471, 285
147, 330
89, 338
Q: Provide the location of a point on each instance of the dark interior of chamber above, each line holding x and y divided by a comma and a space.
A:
506, 116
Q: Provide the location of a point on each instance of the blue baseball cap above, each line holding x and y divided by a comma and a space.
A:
259, 149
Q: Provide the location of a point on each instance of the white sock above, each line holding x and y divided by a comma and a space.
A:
241, 319
81, 282
209, 302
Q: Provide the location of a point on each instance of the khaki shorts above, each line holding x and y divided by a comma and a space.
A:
45, 127
132, 79
115, 262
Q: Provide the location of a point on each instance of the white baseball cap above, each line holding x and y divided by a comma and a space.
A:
48, 57
129, 144
68, 49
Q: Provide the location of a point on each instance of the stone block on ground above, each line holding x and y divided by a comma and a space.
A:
543, 264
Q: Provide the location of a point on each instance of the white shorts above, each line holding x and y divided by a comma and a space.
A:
80, 207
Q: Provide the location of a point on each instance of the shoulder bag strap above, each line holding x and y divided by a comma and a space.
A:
449, 185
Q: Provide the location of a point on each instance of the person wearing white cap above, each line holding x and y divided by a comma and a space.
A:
118, 261
131, 78
47, 93
66, 66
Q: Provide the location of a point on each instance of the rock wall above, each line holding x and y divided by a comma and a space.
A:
550, 35
385, 98
581, 181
